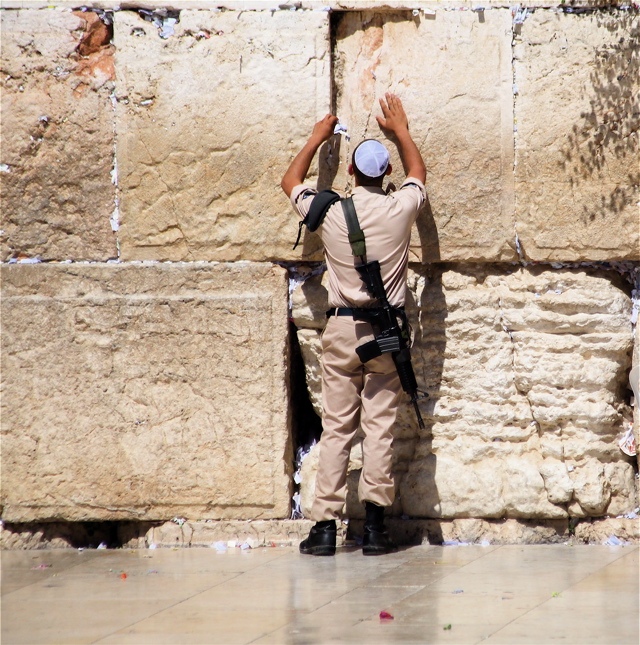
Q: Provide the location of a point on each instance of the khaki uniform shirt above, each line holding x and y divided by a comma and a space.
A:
386, 221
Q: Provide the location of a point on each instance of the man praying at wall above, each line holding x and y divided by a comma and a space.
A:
356, 393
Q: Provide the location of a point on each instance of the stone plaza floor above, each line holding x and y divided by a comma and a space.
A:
436, 594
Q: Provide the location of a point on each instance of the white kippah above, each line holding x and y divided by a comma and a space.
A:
371, 158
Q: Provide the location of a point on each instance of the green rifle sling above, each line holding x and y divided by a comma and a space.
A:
356, 234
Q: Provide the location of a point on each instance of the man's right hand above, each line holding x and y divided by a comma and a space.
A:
323, 129
297, 171
395, 118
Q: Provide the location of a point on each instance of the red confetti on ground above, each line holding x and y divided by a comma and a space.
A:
384, 615
123, 576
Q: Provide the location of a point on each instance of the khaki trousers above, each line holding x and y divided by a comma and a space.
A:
354, 394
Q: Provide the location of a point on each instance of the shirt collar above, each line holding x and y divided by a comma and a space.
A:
369, 189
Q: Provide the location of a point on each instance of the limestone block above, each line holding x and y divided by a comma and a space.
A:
600, 531
311, 348
207, 533
310, 301
577, 171
557, 481
208, 121
452, 71
144, 392
57, 138
524, 367
620, 477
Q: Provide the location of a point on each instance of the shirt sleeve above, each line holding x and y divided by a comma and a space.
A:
301, 198
412, 194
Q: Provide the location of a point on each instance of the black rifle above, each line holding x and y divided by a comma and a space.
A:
391, 337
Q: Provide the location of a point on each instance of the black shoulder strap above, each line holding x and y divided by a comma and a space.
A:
356, 235
317, 211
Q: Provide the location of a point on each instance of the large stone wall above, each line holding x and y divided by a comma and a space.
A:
146, 388
57, 139
453, 72
524, 368
144, 393
577, 114
207, 121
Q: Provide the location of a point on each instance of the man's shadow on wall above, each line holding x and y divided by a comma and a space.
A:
428, 316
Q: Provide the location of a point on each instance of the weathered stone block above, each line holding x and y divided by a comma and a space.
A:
452, 71
144, 392
310, 301
57, 138
311, 349
525, 368
522, 366
577, 109
208, 121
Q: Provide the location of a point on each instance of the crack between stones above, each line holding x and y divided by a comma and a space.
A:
515, 30
114, 220
519, 390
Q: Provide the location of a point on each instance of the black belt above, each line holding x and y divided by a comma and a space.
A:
349, 311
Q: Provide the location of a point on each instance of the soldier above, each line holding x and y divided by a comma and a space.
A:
355, 393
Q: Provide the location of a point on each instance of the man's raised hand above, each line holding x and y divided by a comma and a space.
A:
394, 117
323, 130
299, 167
395, 121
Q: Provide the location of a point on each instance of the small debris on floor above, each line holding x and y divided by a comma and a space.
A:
385, 615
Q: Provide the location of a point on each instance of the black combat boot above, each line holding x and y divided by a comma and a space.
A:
321, 540
375, 540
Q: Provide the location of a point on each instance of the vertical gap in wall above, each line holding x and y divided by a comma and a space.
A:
114, 220
334, 20
518, 17
306, 425
115, 216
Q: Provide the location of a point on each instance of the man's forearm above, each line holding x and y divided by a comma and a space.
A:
411, 157
299, 167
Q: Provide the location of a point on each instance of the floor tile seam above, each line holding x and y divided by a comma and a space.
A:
457, 571
169, 606
51, 575
543, 602
461, 568
351, 625
360, 620
493, 549
593, 573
